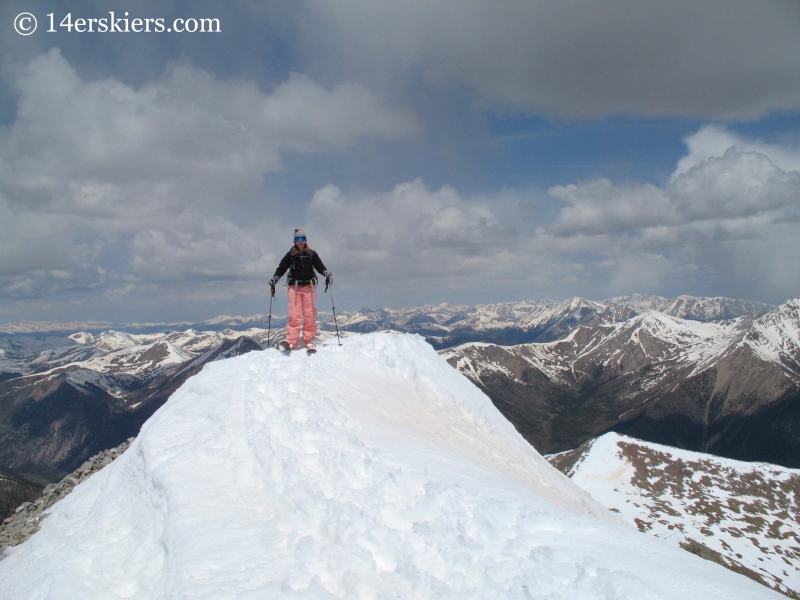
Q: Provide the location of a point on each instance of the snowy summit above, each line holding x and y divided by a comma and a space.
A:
370, 470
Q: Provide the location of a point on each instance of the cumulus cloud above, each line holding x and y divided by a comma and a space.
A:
599, 206
415, 244
714, 59
713, 141
101, 182
732, 186
104, 148
726, 203
737, 184
206, 249
409, 233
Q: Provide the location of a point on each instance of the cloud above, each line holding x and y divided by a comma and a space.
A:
155, 194
101, 182
37, 283
409, 233
415, 244
732, 186
40, 255
715, 59
726, 204
713, 141
599, 207
207, 249
738, 184
102, 148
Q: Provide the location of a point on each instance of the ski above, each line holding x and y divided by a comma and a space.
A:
287, 349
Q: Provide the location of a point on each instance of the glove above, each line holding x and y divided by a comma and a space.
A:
272, 283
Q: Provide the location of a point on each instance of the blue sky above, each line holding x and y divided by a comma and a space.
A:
434, 151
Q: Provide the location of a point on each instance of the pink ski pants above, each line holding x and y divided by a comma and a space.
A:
302, 307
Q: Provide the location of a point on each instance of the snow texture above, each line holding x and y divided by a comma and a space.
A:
370, 470
746, 512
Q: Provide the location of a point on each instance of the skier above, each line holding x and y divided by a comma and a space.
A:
300, 261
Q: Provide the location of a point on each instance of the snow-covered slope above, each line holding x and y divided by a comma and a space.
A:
712, 309
744, 515
665, 342
115, 352
371, 470
775, 337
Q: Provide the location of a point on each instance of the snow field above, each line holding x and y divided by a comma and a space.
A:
371, 470
729, 505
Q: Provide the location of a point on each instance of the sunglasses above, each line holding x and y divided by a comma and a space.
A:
300, 238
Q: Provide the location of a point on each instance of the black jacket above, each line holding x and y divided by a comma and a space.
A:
300, 265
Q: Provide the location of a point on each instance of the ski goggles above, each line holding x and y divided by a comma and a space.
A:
299, 238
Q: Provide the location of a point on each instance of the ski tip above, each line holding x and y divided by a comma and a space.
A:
311, 351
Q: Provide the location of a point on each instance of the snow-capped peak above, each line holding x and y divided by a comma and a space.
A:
82, 338
775, 336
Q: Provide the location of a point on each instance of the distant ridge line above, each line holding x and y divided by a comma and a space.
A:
638, 302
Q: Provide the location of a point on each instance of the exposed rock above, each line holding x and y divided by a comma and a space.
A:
25, 522
729, 388
744, 516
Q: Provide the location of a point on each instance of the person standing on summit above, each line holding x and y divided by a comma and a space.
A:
300, 261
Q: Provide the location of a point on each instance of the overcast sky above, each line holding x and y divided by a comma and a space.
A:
434, 151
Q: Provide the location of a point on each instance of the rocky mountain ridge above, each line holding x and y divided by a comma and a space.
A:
15, 490
27, 517
446, 325
730, 388
744, 516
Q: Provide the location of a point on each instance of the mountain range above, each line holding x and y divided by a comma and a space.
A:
730, 388
445, 325
64, 398
507, 323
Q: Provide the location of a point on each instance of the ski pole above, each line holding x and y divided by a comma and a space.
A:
329, 284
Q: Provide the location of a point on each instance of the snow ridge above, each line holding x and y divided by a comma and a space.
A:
370, 470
